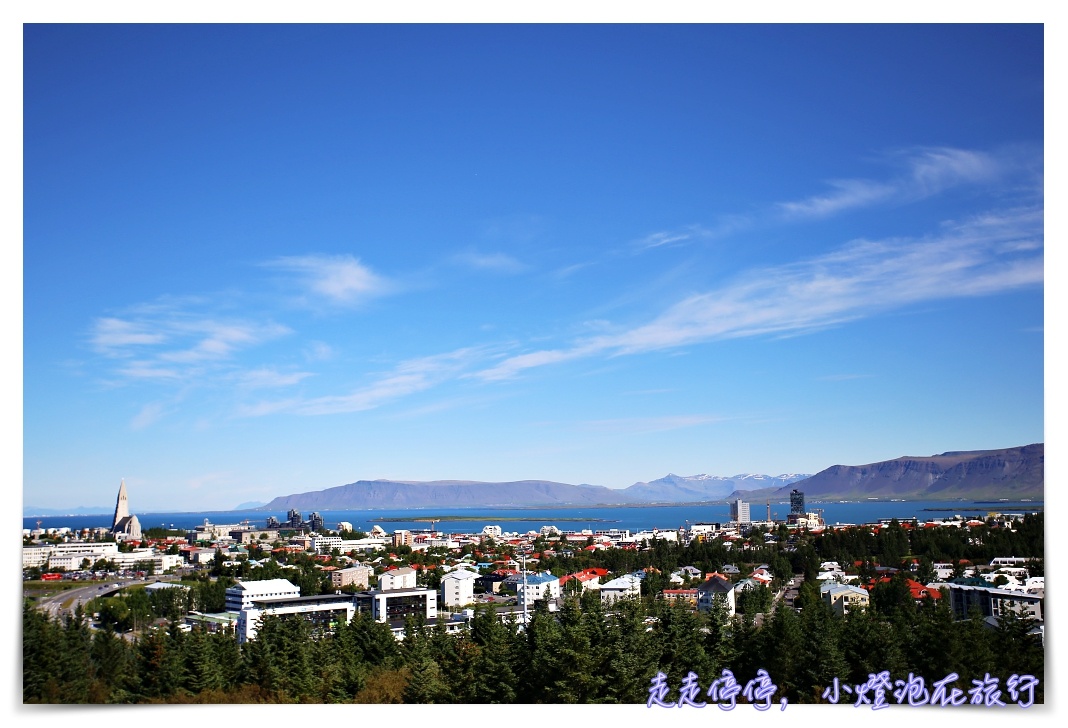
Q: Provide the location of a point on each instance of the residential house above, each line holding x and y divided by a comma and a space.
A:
358, 576
620, 588
458, 588
687, 596
843, 598
537, 586
402, 578
717, 587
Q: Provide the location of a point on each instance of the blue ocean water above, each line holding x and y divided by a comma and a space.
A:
633, 518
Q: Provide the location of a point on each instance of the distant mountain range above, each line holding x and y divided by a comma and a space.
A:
1014, 473
460, 493
696, 488
447, 493
31, 511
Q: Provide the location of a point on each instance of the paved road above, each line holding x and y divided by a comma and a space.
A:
53, 605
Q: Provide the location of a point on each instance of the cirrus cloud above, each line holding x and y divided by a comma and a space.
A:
989, 254
337, 279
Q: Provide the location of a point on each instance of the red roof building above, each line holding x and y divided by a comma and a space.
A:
918, 590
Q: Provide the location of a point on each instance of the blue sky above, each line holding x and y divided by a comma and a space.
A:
268, 259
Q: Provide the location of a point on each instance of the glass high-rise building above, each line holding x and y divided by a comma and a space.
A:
797, 502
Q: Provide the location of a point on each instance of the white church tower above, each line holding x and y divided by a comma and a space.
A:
125, 527
122, 507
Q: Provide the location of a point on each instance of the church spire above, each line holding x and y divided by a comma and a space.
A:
122, 508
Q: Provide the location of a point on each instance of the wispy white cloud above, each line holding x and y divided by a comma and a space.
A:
408, 377
318, 351
643, 425
148, 415
269, 378
338, 279
934, 169
146, 370
660, 239
859, 280
172, 340
844, 194
724, 225
512, 365
111, 335
927, 171
569, 270
491, 262
220, 340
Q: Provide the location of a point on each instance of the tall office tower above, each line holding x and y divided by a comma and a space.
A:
315, 521
740, 511
797, 502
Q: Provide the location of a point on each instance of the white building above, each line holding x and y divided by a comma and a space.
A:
402, 578
71, 556
35, 556
362, 544
323, 544
843, 598
705, 531
344, 526
200, 556
358, 576
160, 562
652, 536
241, 595
213, 531
740, 511
621, 588
458, 588
301, 541
493, 531
1011, 561
614, 536
716, 587
538, 586
943, 571
394, 605
992, 602
104, 548
71, 562
325, 612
